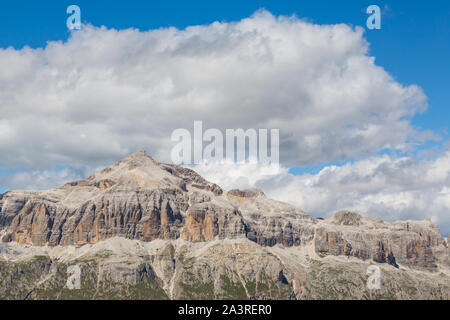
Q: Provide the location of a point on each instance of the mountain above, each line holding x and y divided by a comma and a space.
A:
147, 230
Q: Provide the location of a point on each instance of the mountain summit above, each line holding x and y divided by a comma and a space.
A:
139, 199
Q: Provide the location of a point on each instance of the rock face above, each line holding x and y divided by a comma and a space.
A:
219, 269
142, 200
139, 198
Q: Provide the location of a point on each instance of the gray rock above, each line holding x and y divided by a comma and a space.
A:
141, 199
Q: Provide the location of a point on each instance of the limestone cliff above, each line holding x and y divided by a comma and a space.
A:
139, 198
142, 200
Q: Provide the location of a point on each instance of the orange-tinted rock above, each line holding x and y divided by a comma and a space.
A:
139, 198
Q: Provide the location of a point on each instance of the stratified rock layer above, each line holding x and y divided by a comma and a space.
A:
141, 199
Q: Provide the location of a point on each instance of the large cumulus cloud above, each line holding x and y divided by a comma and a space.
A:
87, 102
104, 93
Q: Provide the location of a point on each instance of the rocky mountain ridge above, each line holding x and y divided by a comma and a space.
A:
138, 198
142, 200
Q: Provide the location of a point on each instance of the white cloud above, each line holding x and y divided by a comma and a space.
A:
105, 93
381, 186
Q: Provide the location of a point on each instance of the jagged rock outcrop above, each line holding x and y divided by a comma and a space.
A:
414, 243
141, 199
219, 269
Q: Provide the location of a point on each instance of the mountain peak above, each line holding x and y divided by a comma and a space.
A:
137, 155
139, 171
136, 159
140, 199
